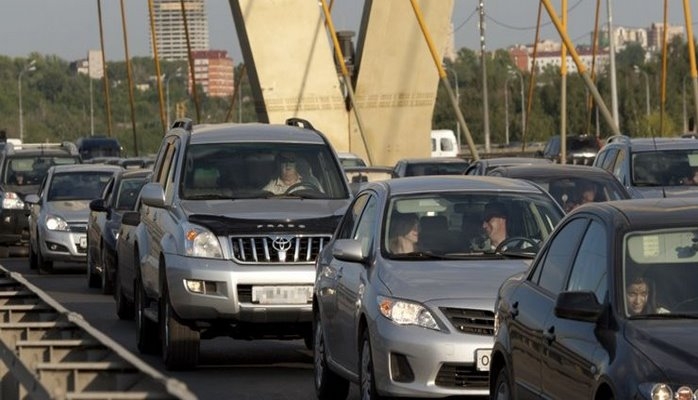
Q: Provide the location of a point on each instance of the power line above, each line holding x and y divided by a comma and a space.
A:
529, 28
462, 24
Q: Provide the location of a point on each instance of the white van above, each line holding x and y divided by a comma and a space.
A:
443, 143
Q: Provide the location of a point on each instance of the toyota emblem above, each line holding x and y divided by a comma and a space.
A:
282, 243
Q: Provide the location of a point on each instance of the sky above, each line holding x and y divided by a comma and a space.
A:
69, 28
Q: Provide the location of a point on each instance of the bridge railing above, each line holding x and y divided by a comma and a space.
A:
49, 352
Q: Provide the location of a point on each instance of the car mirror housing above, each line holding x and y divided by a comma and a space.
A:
131, 218
580, 306
32, 199
97, 205
348, 250
152, 194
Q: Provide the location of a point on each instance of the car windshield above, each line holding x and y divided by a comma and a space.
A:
82, 185
469, 224
261, 170
659, 273
665, 168
573, 192
31, 170
128, 193
585, 143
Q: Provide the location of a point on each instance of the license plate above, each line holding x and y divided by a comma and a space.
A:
83, 241
282, 294
482, 359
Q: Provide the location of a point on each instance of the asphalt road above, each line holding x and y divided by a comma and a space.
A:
229, 369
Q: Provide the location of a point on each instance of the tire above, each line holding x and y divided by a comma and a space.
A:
45, 266
33, 262
148, 339
93, 281
124, 307
180, 343
107, 283
328, 385
367, 380
502, 387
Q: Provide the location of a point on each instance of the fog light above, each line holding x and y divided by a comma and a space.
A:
400, 368
195, 286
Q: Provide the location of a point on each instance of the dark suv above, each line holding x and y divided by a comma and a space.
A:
581, 149
22, 169
652, 167
225, 247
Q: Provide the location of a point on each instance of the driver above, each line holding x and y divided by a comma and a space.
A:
494, 223
288, 174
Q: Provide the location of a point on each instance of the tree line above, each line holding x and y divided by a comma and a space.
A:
57, 101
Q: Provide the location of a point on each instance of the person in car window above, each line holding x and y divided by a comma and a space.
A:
692, 179
637, 293
404, 234
494, 223
288, 174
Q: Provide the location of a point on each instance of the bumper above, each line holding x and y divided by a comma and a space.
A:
14, 227
228, 290
64, 246
443, 364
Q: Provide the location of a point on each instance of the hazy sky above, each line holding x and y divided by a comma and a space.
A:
69, 28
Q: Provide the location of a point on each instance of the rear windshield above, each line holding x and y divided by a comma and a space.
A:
31, 170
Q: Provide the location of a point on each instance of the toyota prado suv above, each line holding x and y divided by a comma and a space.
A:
232, 220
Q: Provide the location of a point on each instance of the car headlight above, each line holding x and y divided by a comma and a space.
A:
200, 242
11, 201
56, 223
115, 233
406, 313
664, 391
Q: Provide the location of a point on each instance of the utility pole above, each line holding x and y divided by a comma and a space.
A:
612, 55
485, 106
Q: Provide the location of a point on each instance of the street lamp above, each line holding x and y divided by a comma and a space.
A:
27, 68
177, 74
683, 97
455, 83
647, 87
515, 71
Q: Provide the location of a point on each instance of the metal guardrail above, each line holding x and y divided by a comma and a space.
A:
49, 352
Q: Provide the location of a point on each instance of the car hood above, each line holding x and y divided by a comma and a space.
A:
666, 191
669, 343
425, 281
247, 216
69, 210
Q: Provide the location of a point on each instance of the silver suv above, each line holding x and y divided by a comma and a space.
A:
227, 241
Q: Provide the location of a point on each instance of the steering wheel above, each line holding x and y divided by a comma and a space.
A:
302, 186
686, 305
516, 239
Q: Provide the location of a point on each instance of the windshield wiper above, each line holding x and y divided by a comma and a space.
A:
666, 316
207, 196
421, 255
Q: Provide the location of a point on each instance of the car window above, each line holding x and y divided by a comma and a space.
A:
619, 166
348, 225
664, 168
128, 193
610, 159
590, 268
551, 272
31, 169
83, 185
364, 229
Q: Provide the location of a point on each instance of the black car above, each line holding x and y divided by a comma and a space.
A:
484, 165
103, 225
22, 169
570, 185
429, 166
607, 310
581, 149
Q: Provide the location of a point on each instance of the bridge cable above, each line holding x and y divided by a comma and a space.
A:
192, 71
154, 39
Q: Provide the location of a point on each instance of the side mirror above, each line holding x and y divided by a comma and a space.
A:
131, 218
152, 194
32, 199
97, 205
348, 250
539, 153
579, 306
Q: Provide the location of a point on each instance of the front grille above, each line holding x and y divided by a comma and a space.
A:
277, 248
462, 376
78, 228
474, 322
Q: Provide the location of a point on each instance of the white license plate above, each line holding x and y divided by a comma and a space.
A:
482, 359
282, 294
83, 241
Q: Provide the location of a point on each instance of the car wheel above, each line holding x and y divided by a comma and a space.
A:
328, 385
4, 251
124, 307
180, 343
107, 272
367, 380
33, 262
146, 329
502, 387
93, 281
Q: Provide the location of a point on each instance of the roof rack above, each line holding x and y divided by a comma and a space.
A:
300, 122
184, 123
10, 148
618, 138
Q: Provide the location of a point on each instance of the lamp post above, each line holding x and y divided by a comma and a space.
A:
27, 68
647, 87
516, 71
683, 98
506, 109
177, 74
455, 84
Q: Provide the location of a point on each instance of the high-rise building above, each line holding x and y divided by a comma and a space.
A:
170, 31
214, 72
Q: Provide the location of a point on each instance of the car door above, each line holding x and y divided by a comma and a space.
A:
350, 288
530, 305
96, 222
572, 350
328, 275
